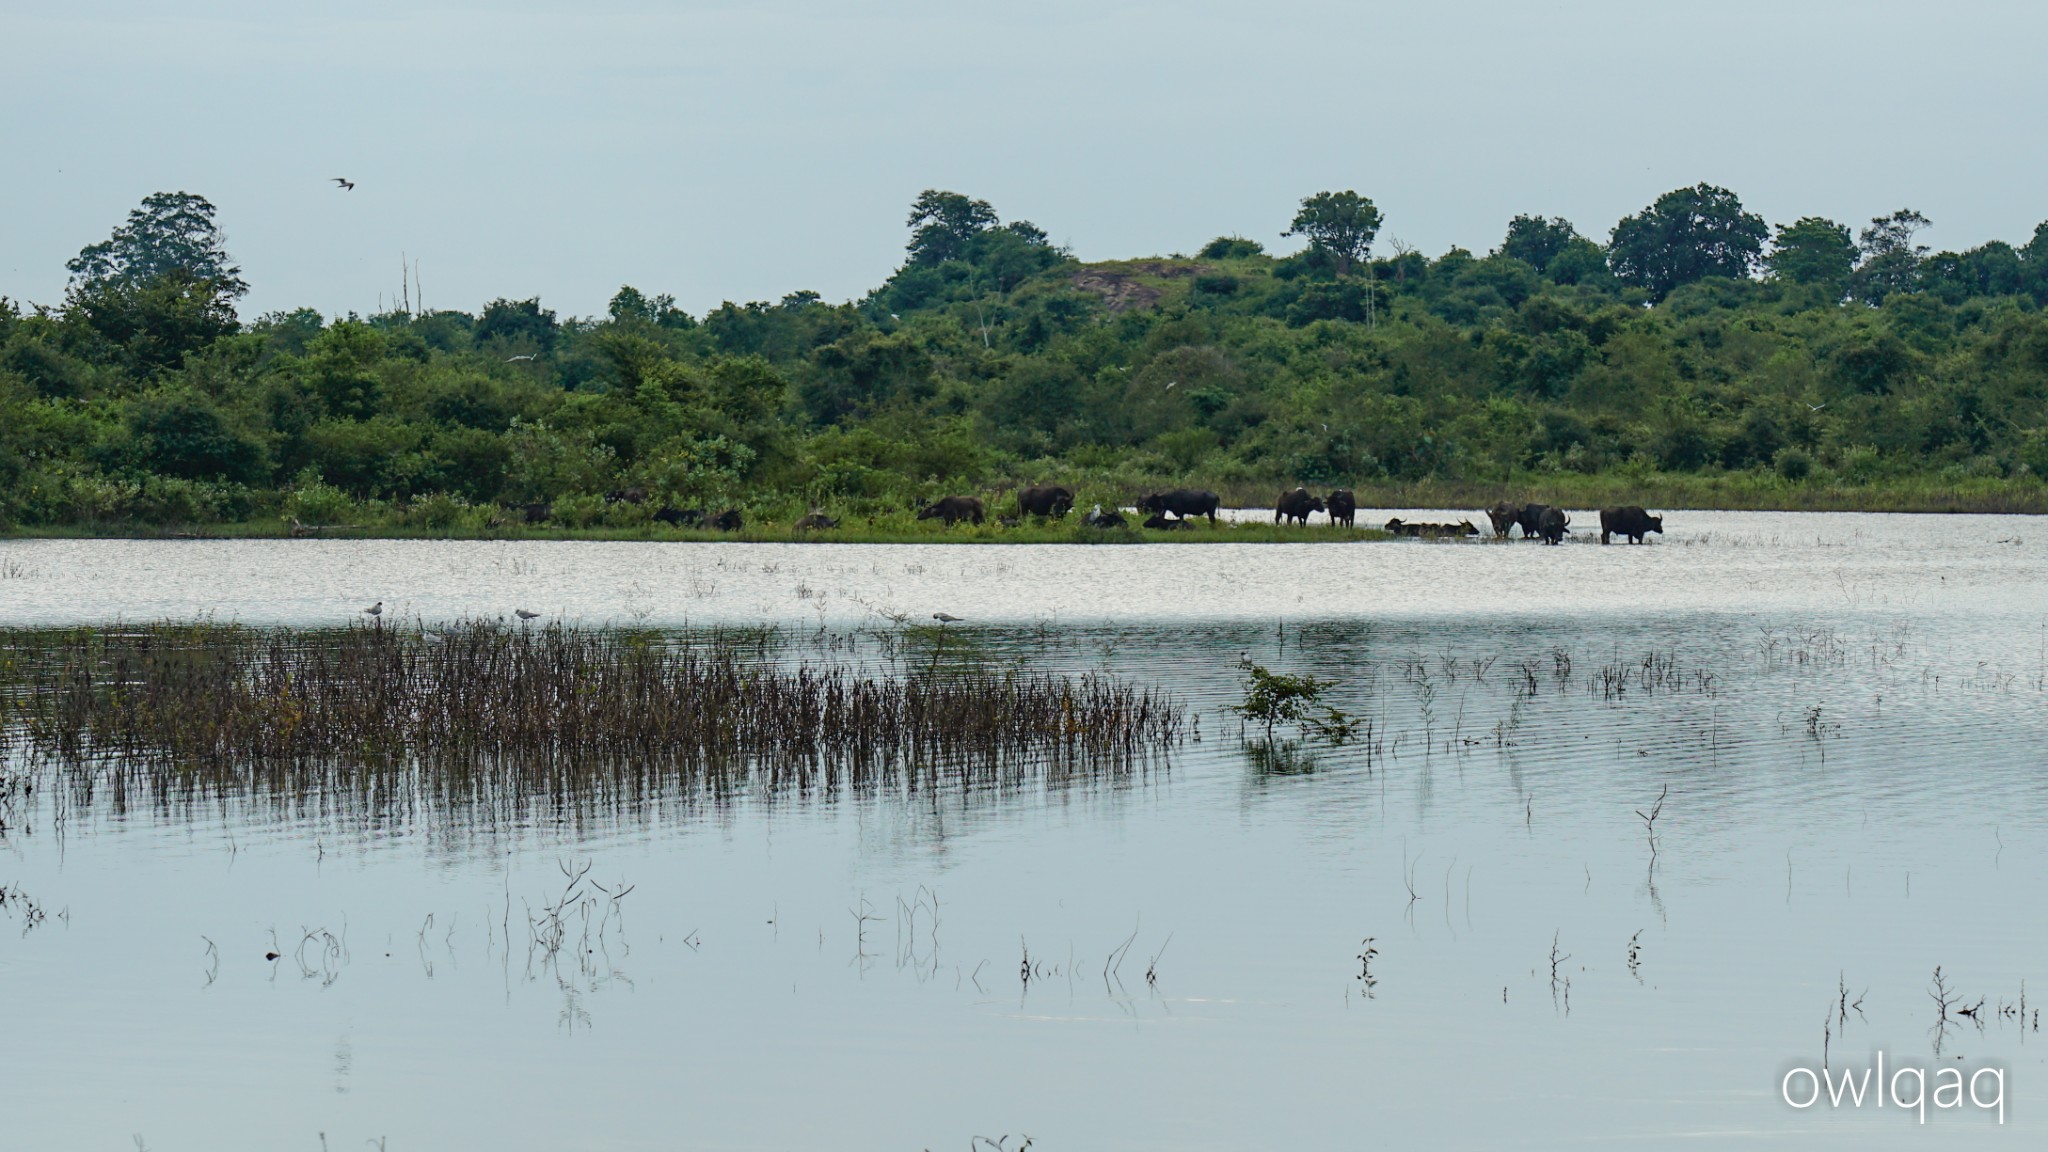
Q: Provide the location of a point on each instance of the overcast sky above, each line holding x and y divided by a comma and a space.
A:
740, 151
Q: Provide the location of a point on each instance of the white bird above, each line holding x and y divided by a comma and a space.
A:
1815, 407
376, 609
523, 614
517, 359
945, 618
346, 185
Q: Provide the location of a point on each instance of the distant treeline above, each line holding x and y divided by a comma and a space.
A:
1697, 351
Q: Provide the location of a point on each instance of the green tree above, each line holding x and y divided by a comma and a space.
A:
1338, 225
152, 325
1536, 241
518, 321
1891, 260
1688, 235
943, 225
1813, 251
169, 232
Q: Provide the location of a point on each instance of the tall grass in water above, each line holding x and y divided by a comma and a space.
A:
484, 716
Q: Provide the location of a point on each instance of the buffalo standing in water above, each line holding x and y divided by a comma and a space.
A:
1630, 521
1531, 520
1184, 503
1504, 517
1553, 525
1295, 506
1343, 507
952, 509
1045, 500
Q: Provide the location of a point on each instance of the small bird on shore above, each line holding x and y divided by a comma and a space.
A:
346, 185
945, 618
523, 614
376, 609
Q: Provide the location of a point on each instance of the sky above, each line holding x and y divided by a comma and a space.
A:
740, 151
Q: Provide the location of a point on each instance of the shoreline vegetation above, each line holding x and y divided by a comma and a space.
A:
1698, 358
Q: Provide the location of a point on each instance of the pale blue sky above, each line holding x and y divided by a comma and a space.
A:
742, 150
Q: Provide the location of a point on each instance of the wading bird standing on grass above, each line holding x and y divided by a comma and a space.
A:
376, 609
945, 618
523, 614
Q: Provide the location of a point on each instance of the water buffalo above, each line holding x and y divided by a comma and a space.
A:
1630, 521
1399, 527
1295, 506
1531, 519
537, 513
952, 509
727, 521
1097, 518
1183, 502
1045, 500
814, 522
1553, 525
1160, 520
679, 517
634, 495
1504, 517
1343, 507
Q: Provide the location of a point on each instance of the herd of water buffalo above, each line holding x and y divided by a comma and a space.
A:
1176, 508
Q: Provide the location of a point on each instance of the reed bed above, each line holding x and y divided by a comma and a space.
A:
482, 713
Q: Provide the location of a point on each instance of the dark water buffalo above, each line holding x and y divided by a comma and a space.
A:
815, 521
1045, 500
626, 496
727, 521
679, 517
537, 513
1504, 517
1159, 520
1183, 502
1295, 506
1630, 521
1097, 518
1531, 519
1343, 507
952, 509
1553, 525
1399, 527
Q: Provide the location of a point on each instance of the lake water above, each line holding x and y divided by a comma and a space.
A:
1846, 714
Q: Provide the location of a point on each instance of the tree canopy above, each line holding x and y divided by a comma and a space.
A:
1339, 225
168, 232
1688, 235
1554, 367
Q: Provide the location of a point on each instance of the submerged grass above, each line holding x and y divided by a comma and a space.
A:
482, 713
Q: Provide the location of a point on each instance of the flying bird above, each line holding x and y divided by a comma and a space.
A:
523, 614
1815, 407
376, 609
517, 359
346, 185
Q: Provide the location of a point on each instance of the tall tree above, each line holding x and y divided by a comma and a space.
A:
169, 232
944, 224
1536, 241
1814, 250
1688, 235
1339, 225
1891, 260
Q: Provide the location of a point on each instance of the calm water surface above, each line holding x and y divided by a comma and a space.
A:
1848, 712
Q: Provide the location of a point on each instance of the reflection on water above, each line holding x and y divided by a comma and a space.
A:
1461, 929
